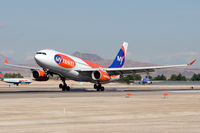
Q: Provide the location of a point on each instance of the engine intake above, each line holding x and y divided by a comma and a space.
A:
100, 76
40, 75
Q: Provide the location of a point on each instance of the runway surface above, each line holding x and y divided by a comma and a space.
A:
45, 92
146, 110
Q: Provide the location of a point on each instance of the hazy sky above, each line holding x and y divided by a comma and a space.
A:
158, 31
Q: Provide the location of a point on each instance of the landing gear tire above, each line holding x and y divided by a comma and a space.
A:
64, 86
95, 86
98, 87
60, 86
63, 89
102, 88
67, 88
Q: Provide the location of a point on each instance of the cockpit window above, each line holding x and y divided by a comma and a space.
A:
41, 53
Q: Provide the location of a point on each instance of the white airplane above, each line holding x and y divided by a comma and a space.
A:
15, 81
70, 67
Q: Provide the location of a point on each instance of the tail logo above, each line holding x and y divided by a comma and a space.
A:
120, 59
64, 61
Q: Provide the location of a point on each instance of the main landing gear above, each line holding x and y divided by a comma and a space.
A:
98, 87
64, 86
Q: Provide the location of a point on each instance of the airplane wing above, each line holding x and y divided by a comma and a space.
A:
19, 66
132, 70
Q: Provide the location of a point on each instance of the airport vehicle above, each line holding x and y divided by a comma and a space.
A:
15, 81
70, 67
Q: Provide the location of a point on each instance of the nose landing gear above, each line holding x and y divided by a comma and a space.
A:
98, 87
64, 86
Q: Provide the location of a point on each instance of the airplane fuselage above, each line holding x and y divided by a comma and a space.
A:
67, 65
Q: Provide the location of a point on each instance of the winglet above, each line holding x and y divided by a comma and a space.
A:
6, 61
192, 62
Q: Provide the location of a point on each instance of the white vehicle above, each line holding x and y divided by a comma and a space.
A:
70, 67
15, 81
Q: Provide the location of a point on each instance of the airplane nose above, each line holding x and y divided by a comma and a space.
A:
37, 58
41, 58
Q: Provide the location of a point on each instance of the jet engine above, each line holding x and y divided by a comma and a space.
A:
40, 75
100, 76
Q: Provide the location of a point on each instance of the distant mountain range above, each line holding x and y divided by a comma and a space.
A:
105, 62
87, 56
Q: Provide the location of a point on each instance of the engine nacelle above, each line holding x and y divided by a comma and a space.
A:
40, 75
100, 76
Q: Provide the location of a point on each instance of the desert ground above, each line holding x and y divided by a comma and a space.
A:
42, 107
